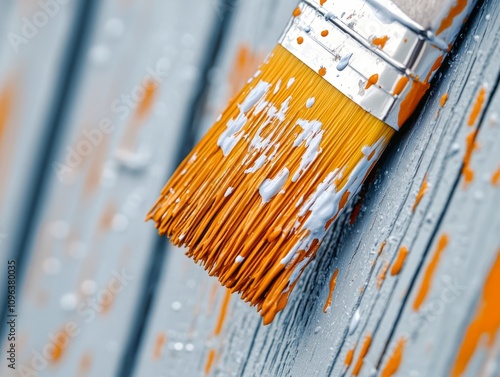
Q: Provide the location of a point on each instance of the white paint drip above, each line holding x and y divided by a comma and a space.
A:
342, 64
310, 102
239, 259
259, 162
290, 82
311, 137
228, 192
277, 87
270, 187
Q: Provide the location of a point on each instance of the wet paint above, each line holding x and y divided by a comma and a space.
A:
399, 262
324, 33
455, 10
495, 177
349, 357
421, 193
160, 341
425, 286
394, 361
372, 80
297, 12
333, 283
477, 107
223, 312
380, 41
470, 146
400, 85
362, 353
382, 275
210, 361
443, 99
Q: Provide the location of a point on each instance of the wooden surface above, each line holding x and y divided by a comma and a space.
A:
169, 318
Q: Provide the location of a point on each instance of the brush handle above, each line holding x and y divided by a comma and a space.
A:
357, 43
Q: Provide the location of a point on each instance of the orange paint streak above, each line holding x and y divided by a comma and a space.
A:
333, 283
411, 101
160, 341
59, 345
471, 146
400, 85
223, 312
322, 71
381, 41
400, 260
421, 193
6, 97
145, 105
364, 350
495, 177
382, 245
245, 64
210, 361
349, 357
478, 105
297, 12
372, 80
485, 324
393, 363
300, 40
454, 11
382, 275
443, 100
429, 273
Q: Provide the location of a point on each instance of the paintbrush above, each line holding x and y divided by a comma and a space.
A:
255, 198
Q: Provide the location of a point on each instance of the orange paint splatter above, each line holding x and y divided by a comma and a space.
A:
324, 33
421, 193
210, 361
59, 345
429, 273
393, 363
486, 321
382, 245
372, 80
400, 85
382, 275
349, 357
333, 283
478, 105
322, 71
300, 40
495, 177
443, 100
322, 2
160, 341
364, 350
400, 260
381, 41
297, 12
223, 312
411, 101
471, 146
454, 11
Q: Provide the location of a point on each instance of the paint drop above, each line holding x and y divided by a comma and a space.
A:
364, 350
443, 100
239, 259
333, 283
270, 187
228, 192
324, 33
400, 85
382, 275
478, 105
300, 40
429, 273
297, 12
348, 357
209, 362
381, 41
471, 146
400, 260
59, 347
495, 177
381, 248
322, 71
421, 193
310, 102
322, 2
343, 62
454, 11
372, 80
394, 361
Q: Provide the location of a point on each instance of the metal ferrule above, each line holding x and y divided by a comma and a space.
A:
339, 36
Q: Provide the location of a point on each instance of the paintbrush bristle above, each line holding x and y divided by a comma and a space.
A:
254, 199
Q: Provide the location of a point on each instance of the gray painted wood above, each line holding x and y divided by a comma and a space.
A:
305, 341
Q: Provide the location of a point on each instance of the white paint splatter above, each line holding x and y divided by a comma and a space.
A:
270, 187
239, 259
290, 82
342, 64
277, 87
228, 192
310, 102
311, 137
354, 322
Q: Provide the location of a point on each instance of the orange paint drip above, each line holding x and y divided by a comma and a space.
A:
429, 273
421, 193
454, 11
471, 146
381, 41
400, 260
300, 40
382, 275
478, 105
485, 324
223, 312
364, 350
372, 80
495, 177
443, 100
400, 85
322, 71
210, 361
411, 101
382, 245
161, 339
349, 357
393, 363
297, 12
333, 283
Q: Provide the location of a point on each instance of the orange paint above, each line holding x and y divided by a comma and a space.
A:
297, 12
411, 101
443, 100
160, 341
324, 33
6, 96
381, 41
400, 85
421, 193
333, 283
478, 105
322, 2
348, 357
429, 273
495, 177
372, 80
150, 89
223, 312
393, 363
59, 345
210, 361
400, 260
382, 275
471, 146
300, 40
382, 245
107, 217
364, 350
485, 324
85, 364
454, 11
322, 71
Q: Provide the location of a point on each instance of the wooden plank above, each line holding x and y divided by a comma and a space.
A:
185, 336
118, 140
